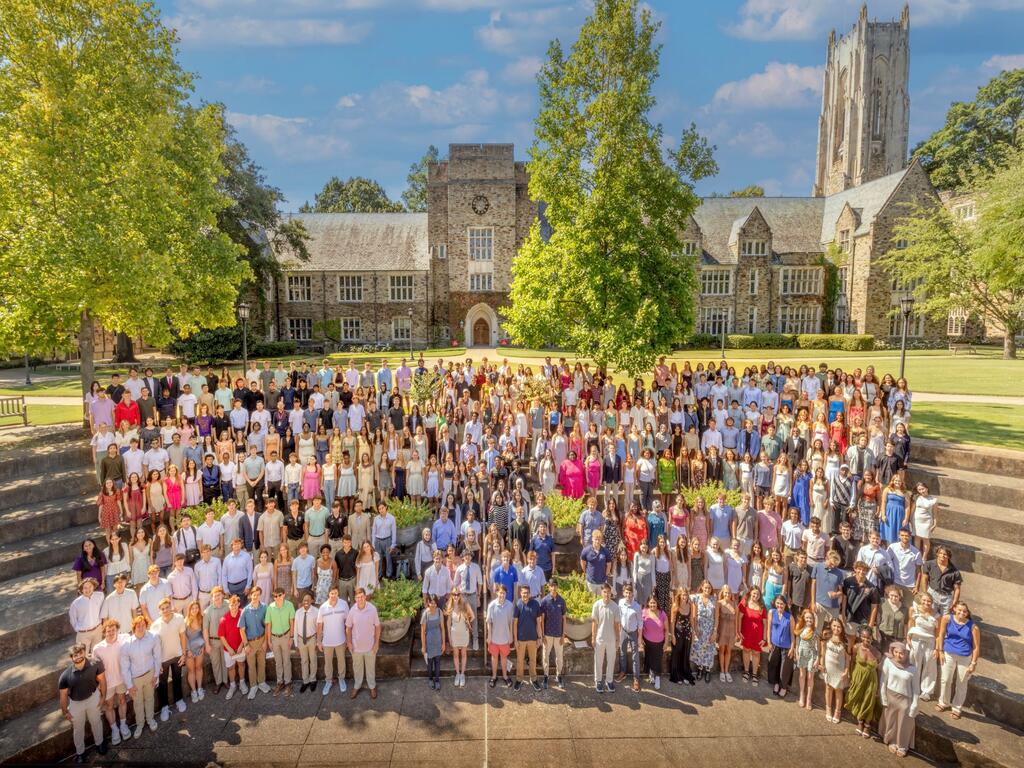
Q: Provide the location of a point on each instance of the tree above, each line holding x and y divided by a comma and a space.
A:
610, 283
972, 265
752, 190
978, 135
108, 195
354, 195
415, 195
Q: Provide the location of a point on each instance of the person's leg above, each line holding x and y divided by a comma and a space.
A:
545, 650
962, 676
520, 656
217, 661
251, 654
371, 671
78, 720
634, 641
176, 687
531, 650
339, 653
95, 717
358, 670
279, 647
786, 678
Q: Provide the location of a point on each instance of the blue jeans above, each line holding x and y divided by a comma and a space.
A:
383, 548
629, 639
293, 493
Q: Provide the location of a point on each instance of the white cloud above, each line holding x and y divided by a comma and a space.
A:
249, 84
348, 101
467, 100
1002, 63
779, 86
522, 70
757, 140
294, 138
512, 32
210, 31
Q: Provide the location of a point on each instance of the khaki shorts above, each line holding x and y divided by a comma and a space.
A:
112, 692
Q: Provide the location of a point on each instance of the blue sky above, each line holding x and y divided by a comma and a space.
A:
318, 88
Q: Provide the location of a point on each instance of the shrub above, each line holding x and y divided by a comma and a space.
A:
398, 599
701, 341
273, 349
710, 491
565, 512
198, 514
840, 341
579, 603
406, 513
761, 341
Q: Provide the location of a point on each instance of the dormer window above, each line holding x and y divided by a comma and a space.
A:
753, 247
689, 248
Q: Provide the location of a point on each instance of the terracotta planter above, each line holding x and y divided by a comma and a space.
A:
577, 630
564, 535
409, 535
393, 630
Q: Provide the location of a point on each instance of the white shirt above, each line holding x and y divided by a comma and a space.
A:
169, 633
606, 617
211, 533
274, 471
437, 581
905, 563
85, 612
151, 594
332, 618
133, 461
629, 613
121, 607
469, 578
305, 618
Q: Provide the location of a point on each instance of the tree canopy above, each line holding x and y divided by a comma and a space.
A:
415, 195
109, 199
751, 190
610, 282
978, 135
356, 194
970, 266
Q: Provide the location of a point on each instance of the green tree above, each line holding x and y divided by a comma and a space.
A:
415, 195
108, 194
354, 195
752, 190
973, 265
978, 135
610, 283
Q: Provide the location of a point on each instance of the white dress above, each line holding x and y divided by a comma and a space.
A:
366, 574
414, 478
346, 482
923, 520
433, 484
781, 487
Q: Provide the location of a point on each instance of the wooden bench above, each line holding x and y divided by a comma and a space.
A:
962, 347
14, 406
72, 365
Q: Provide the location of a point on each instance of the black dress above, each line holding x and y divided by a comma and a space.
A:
682, 638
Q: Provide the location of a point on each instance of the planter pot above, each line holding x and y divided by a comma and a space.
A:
411, 534
393, 630
577, 630
564, 535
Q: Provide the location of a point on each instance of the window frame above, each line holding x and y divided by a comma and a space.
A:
753, 247
799, 318
397, 292
487, 277
714, 277
307, 325
344, 290
403, 324
800, 281
302, 285
478, 238
346, 334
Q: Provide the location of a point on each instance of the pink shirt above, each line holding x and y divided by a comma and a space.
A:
362, 622
768, 525
570, 477
654, 625
110, 655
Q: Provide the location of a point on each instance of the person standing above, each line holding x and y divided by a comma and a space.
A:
85, 613
596, 563
121, 605
605, 629
432, 639
212, 615
345, 559
900, 692
170, 628
362, 627
108, 652
630, 619
437, 581
82, 687
280, 623
527, 628
653, 626
469, 582
330, 637
253, 630
140, 668
236, 573
498, 633
304, 639
958, 646
385, 535
230, 636
553, 609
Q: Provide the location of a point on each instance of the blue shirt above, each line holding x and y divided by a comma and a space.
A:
507, 578
553, 609
781, 635
826, 580
721, 519
655, 528
302, 567
590, 522
253, 621
543, 546
596, 561
526, 614
443, 532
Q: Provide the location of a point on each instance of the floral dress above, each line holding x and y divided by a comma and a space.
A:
703, 652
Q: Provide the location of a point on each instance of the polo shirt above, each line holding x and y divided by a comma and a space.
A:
553, 609
543, 546
316, 517
212, 616
506, 578
332, 619
253, 621
499, 617
526, 615
905, 563
302, 567
721, 520
596, 561
799, 585
826, 580
296, 525
228, 630
606, 616
279, 619
363, 623
590, 522
81, 683
169, 632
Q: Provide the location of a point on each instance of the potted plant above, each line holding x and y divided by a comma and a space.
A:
709, 492
565, 515
198, 513
397, 602
579, 604
410, 520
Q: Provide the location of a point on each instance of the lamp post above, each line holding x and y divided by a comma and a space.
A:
28, 375
243, 315
410, 331
724, 323
906, 307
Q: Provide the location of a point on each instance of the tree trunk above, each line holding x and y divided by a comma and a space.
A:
1010, 344
123, 351
86, 355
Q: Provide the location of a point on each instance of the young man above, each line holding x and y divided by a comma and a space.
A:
280, 624
252, 627
437, 581
527, 628
108, 652
170, 628
330, 638
122, 604
81, 688
605, 630
596, 563
498, 635
629, 619
85, 614
304, 637
212, 615
553, 610
140, 668
469, 582
345, 559
362, 628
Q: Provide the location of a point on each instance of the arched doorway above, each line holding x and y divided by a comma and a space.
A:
481, 333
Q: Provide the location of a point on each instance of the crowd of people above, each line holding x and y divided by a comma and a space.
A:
825, 564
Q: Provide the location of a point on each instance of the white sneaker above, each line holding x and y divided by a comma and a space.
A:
721, 677
728, 677
231, 692
181, 705
342, 686
202, 694
115, 737
657, 682
253, 691
126, 732
164, 714
243, 687
152, 726
138, 731
327, 688
195, 696
264, 688
462, 678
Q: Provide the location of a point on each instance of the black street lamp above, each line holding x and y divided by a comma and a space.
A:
28, 375
410, 331
906, 308
243, 316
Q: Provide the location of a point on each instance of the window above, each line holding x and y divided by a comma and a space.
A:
901, 244
908, 286
350, 288
915, 323
401, 287
481, 244
481, 281
844, 240
300, 288
753, 247
797, 281
440, 251
716, 282
964, 211
351, 329
754, 281
843, 273
401, 329
715, 320
689, 248
956, 324
751, 319
300, 328
799, 319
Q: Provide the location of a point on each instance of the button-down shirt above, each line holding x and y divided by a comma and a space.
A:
151, 594
211, 534
905, 563
183, 584
140, 655
437, 581
253, 621
533, 577
590, 522
85, 611
332, 617
363, 623
305, 624
468, 578
444, 533
629, 615
236, 569
208, 574
385, 527
121, 607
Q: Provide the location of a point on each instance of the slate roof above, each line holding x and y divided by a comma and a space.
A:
867, 200
365, 242
795, 223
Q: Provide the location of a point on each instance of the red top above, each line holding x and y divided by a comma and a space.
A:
634, 531
228, 631
126, 412
752, 625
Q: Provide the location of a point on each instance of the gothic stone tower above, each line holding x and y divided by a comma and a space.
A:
862, 131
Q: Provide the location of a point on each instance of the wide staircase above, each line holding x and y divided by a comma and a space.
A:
47, 507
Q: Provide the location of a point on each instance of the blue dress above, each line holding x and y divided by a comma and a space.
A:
895, 508
801, 497
834, 407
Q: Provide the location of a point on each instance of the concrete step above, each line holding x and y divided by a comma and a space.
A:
47, 486
34, 609
64, 451
40, 735
997, 691
981, 487
999, 461
975, 554
30, 679
971, 742
1002, 630
979, 519
19, 523
51, 549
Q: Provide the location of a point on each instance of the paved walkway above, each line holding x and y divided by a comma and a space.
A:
409, 725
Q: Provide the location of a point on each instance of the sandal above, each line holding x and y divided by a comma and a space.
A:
955, 715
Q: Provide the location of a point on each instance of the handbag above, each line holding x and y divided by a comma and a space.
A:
191, 553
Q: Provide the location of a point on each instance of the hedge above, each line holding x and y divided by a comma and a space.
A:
762, 341
845, 342
273, 349
840, 341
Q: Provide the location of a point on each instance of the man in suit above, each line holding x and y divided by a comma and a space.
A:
247, 527
169, 382
611, 473
796, 448
150, 382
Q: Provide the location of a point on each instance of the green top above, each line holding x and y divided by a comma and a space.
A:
666, 472
279, 619
316, 517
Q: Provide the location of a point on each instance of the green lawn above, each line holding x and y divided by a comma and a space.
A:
41, 415
1000, 426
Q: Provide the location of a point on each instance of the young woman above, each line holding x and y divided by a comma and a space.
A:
921, 630
683, 618
680, 557
195, 650
460, 620
781, 633
110, 503
90, 563
752, 632
893, 510
432, 640
958, 648
368, 568
263, 577
311, 477
140, 556
899, 694
868, 495
283, 570
161, 551
807, 653
193, 483
325, 574
862, 698
174, 492
922, 520
654, 623
702, 653
834, 661
118, 557
662, 573
643, 573
727, 635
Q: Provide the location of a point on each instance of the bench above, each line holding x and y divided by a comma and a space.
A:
14, 406
72, 365
962, 347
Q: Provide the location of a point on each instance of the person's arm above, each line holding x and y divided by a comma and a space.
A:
64, 701
376, 638
184, 646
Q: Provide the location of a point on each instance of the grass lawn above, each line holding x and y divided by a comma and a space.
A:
42, 415
1000, 426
